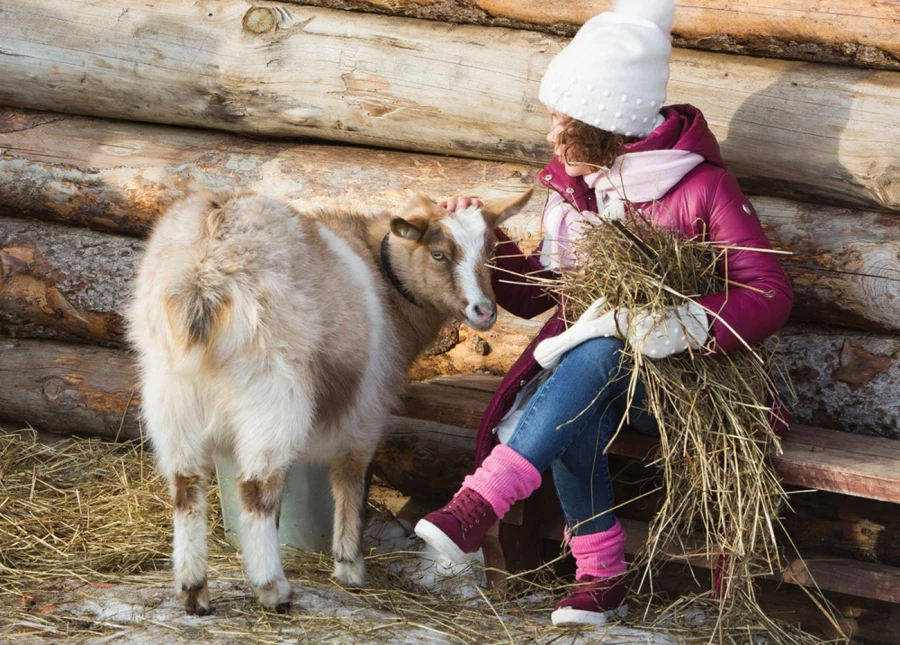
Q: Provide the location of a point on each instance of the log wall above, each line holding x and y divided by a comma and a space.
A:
794, 129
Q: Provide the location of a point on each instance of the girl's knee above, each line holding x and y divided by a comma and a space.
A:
600, 357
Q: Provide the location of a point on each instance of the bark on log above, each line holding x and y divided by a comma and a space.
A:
844, 382
843, 32
845, 265
119, 176
68, 389
287, 70
64, 283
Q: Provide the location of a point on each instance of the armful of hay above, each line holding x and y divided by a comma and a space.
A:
714, 411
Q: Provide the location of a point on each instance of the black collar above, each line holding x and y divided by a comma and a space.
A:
389, 270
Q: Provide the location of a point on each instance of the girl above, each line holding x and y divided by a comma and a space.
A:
605, 92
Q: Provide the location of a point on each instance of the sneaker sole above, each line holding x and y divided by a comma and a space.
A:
440, 541
569, 616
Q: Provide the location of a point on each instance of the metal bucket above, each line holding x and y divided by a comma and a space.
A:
307, 510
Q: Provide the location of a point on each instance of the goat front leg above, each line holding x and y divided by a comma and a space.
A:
260, 544
188, 491
348, 485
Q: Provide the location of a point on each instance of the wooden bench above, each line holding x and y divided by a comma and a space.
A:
429, 449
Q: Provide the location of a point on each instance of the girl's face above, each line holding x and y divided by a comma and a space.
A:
557, 123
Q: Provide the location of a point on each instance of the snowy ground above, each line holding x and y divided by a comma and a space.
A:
144, 610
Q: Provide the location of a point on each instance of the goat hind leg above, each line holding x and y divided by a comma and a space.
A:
261, 548
348, 484
189, 546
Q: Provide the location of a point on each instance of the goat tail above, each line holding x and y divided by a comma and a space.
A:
194, 309
206, 308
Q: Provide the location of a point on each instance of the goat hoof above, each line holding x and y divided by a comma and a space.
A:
350, 573
196, 609
275, 595
195, 599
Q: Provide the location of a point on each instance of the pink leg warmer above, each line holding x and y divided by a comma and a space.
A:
601, 555
504, 478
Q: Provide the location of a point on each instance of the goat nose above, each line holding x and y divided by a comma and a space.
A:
486, 312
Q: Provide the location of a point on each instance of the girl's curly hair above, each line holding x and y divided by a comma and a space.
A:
585, 144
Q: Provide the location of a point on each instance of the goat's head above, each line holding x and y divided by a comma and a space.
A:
447, 256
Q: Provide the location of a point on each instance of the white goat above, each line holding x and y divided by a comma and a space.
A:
279, 336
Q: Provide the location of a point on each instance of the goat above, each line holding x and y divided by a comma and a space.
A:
280, 336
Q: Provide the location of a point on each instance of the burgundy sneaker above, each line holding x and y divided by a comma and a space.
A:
592, 601
458, 529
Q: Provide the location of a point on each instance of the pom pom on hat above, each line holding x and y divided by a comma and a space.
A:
613, 75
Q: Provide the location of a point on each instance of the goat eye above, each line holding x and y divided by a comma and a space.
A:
437, 255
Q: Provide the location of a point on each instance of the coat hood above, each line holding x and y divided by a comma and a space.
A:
684, 128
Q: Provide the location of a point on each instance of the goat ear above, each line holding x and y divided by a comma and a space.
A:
497, 212
416, 218
411, 228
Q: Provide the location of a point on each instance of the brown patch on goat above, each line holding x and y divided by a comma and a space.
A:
261, 497
202, 316
348, 484
337, 386
187, 492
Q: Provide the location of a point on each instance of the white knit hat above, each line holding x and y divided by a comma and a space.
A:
613, 74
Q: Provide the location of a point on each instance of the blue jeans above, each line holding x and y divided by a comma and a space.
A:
570, 420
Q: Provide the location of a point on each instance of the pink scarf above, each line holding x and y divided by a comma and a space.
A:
637, 177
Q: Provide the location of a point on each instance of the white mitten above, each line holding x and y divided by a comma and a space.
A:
593, 323
661, 335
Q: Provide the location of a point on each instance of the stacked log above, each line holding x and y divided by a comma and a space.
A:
788, 128
111, 111
847, 32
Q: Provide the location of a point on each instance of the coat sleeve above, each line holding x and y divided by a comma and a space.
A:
759, 298
513, 279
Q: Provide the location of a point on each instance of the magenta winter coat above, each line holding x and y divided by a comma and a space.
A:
708, 199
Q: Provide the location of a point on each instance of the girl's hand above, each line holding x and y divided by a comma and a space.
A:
659, 336
595, 322
460, 203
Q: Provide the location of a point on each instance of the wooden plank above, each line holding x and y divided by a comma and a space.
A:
819, 458
840, 462
863, 579
846, 31
395, 82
